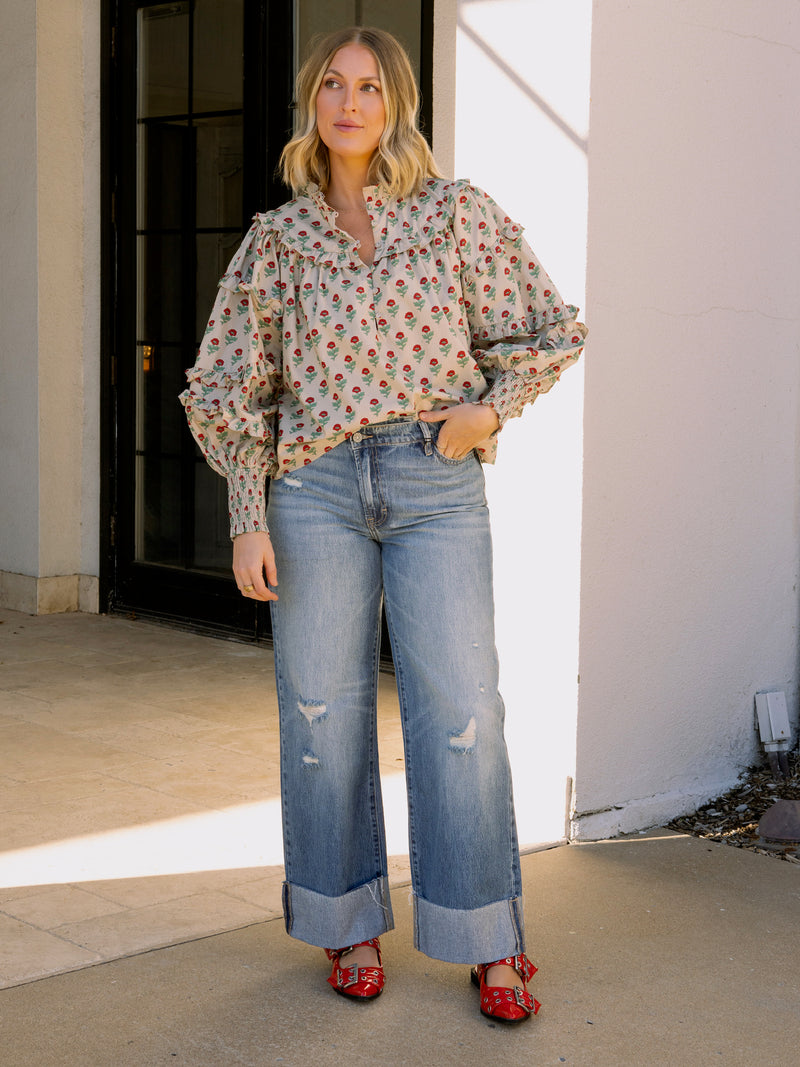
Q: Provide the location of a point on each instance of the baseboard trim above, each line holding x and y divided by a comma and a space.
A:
49, 595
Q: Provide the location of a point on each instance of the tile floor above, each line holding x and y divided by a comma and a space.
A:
138, 797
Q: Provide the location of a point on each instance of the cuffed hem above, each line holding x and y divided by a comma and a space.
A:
246, 504
334, 922
477, 935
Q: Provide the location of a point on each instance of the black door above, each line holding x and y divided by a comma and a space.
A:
197, 108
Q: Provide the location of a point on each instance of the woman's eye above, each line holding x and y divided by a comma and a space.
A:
369, 88
331, 83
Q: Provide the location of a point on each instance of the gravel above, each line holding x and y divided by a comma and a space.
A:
733, 818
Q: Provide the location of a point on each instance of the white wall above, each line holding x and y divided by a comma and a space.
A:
521, 120
49, 349
690, 521
19, 349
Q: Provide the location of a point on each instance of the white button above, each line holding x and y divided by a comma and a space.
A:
358, 437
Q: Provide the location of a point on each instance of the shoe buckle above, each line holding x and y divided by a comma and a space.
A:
522, 998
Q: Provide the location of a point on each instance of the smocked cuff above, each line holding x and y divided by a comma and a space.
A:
246, 501
509, 394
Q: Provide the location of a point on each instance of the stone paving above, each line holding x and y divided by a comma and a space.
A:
139, 807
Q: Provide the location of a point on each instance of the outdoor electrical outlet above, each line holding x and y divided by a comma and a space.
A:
773, 727
773, 718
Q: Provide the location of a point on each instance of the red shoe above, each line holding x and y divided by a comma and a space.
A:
507, 1005
359, 983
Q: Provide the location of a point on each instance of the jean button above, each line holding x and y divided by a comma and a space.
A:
358, 437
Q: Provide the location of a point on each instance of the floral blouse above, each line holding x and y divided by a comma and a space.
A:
306, 342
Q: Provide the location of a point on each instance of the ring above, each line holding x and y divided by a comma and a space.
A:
249, 588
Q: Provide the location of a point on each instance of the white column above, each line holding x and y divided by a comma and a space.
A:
690, 528
49, 434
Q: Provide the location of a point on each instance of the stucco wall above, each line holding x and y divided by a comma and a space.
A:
521, 121
49, 358
19, 349
690, 519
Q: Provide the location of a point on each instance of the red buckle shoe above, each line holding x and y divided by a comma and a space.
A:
359, 983
507, 1005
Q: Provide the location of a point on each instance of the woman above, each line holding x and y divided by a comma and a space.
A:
368, 341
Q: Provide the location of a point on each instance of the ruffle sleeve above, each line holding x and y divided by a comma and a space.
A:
523, 335
232, 391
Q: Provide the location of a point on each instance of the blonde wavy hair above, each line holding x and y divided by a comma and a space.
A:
402, 161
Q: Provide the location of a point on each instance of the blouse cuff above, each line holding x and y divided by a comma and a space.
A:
508, 395
246, 502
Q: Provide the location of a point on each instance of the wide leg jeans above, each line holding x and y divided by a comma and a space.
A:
384, 517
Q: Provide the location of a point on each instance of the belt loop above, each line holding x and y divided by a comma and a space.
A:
428, 437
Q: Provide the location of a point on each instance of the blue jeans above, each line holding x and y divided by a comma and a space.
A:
384, 516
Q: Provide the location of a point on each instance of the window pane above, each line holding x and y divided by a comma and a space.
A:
218, 55
404, 20
163, 60
158, 509
163, 174
212, 539
161, 289
220, 169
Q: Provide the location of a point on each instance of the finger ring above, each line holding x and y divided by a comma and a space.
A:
249, 588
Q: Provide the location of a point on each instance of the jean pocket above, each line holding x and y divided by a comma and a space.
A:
472, 454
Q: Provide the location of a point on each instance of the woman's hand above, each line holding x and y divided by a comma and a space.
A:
252, 556
465, 426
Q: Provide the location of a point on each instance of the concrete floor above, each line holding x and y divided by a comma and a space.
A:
139, 820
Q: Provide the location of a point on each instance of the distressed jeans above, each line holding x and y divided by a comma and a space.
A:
385, 517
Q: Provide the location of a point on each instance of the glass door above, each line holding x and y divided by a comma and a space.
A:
200, 116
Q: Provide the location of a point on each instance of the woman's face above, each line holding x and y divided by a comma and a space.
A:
350, 112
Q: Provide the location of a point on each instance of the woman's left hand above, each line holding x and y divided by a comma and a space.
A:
465, 426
